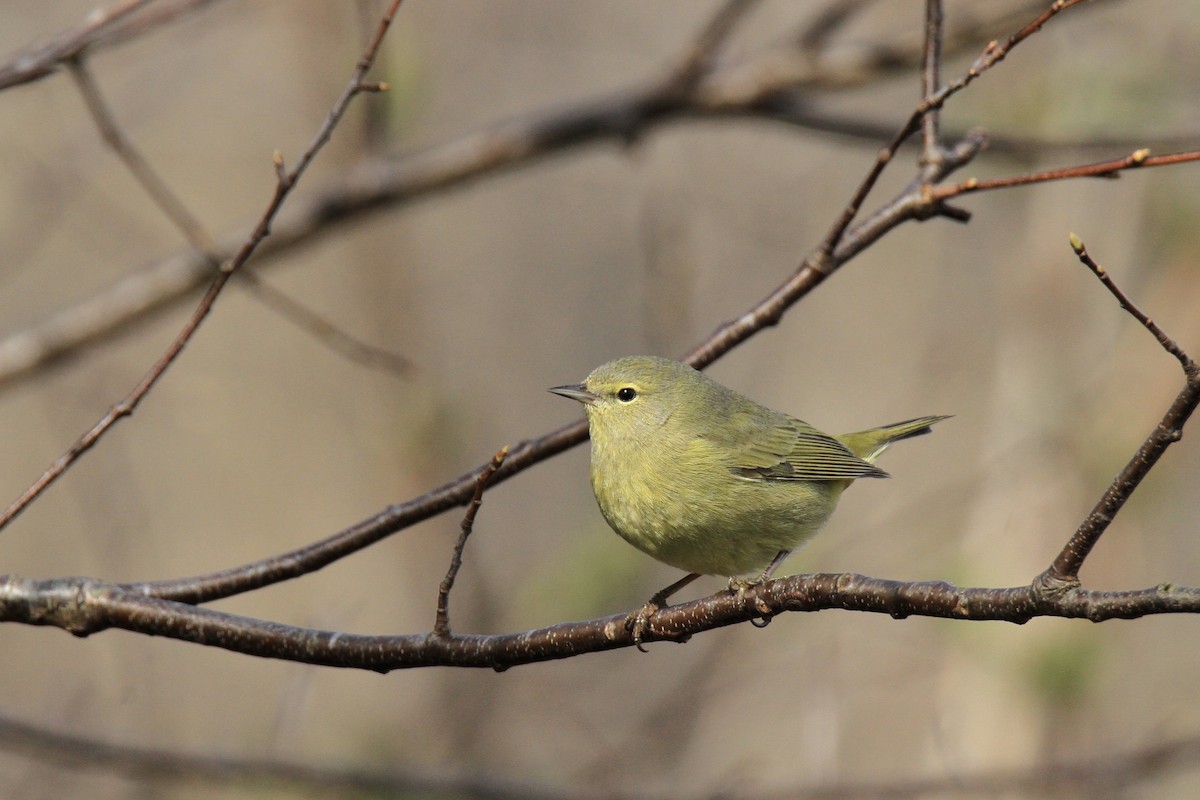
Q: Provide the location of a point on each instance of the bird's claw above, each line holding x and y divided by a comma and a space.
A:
740, 586
638, 621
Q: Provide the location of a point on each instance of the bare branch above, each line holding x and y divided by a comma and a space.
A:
931, 141
761, 87
1104, 169
202, 241
159, 764
1164, 341
324, 330
1064, 571
699, 58
84, 606
1099, 774
312, 557
175, 210
102, 28
441, 625
283, 187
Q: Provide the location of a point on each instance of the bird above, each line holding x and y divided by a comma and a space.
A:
709, 481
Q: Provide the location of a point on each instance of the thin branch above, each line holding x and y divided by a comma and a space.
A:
157, 764
816, 33
102, 28
312, 557
700, 57
1064, 571
283, 187
1164, 341
323, 330
931, 140
196, 234
823, 260
1104, 169
441, 625
1097, 774
915, 202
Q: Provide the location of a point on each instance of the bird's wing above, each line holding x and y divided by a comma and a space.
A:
792, 450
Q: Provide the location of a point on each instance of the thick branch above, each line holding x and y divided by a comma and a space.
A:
84, 606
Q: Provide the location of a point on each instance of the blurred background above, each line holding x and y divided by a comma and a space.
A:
262, 439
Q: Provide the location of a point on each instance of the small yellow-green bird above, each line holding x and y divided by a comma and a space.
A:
707, 480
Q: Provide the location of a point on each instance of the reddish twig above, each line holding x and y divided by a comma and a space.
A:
1103, 169
824, 261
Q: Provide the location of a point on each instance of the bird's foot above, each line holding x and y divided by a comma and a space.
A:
638, 621
740, 587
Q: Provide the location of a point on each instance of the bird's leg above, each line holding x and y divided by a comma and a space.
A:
774, 565
638, 620
740, 586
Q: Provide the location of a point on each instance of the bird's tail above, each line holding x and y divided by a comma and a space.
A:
868, 444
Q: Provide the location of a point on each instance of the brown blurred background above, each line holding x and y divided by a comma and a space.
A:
260, 439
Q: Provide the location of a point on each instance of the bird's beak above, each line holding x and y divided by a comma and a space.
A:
576, 391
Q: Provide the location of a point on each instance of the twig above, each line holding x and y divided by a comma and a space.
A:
283, 187
931, 140
102, 28
312, 557
1104, 169
323, 330
1063, 574
1165, 341
816, 33
196, 234
441, 625
698, 60
824, 261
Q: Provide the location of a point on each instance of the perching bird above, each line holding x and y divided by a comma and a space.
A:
707, 480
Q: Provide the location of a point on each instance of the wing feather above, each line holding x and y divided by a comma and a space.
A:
792, 450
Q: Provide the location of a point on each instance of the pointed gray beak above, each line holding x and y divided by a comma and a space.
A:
575, 391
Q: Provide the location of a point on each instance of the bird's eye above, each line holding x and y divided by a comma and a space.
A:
626, 394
